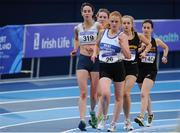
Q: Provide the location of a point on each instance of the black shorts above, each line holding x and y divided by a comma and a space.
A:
131, 68
85, 63
114, 71
150, 74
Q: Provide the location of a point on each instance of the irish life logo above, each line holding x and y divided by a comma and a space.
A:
36, 41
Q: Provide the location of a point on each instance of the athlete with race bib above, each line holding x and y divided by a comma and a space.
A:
112, 45
131, 65
85, 38
148, 71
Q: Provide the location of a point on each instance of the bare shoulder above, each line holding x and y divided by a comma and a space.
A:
76, 28
158, 40
122, 35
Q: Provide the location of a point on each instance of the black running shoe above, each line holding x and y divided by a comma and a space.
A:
82, 126
139, 120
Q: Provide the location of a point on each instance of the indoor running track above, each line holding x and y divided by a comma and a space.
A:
50, 105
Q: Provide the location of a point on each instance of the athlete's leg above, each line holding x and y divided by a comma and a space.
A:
145, 90
105, 84
119, 90
82, 78
94, 77
129, 83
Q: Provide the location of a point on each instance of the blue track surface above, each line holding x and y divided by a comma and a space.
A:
51, 106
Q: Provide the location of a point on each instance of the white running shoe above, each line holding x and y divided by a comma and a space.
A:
112, 127
101, 124
149, 120
127, 125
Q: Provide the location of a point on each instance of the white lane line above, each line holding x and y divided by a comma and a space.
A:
67, 118
76, 107
153, 128
63, 78
72, 87
76, 97
121, 123
169, 71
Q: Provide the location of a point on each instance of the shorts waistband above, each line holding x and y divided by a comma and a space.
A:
110, 63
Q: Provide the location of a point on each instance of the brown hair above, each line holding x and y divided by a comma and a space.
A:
149, 21
87, 4
103, 10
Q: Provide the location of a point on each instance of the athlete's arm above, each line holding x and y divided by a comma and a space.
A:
165, 49
96, 46
76, 42
147, 43
123, 41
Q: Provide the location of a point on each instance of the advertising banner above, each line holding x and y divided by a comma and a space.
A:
11, 49
49, 40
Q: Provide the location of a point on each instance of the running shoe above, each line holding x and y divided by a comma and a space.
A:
93, 120
82, 125
139, 120
112, 127
149, 120
101, 124
127, 125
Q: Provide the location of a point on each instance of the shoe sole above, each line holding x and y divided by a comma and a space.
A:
148, 125
90, 123
128, 129
100, 128
110, 131
139, 122
82, 128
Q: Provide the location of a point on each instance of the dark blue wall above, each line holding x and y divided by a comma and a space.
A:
52, 11
57, 11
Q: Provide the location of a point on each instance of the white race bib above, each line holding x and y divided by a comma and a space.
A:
150, 58
87, 37
133, 56
108, 57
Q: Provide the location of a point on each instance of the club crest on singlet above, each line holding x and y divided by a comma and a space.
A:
109, 53
110, 50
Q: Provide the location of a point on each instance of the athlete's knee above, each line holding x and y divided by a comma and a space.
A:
105, 95
83, 95
143, 95
119, 98
126, 94
94, 96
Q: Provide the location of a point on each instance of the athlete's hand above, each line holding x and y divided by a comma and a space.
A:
93, 58
143, 46
142, 55
73, 53
164, 60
